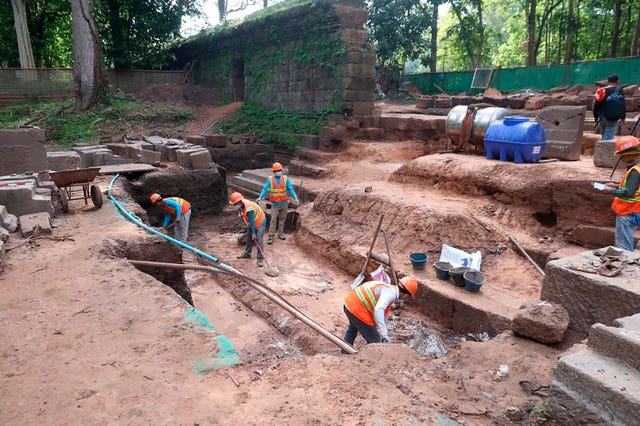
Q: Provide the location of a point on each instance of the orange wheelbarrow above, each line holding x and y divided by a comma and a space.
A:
75, 185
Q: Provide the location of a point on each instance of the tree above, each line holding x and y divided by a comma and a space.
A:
471, 31
22, 33
88, 68
400, 30
137, 32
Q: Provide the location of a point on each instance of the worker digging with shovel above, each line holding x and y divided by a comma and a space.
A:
255, 221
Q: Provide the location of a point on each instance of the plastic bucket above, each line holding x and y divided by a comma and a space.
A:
473, 280
456, 275
442, 269
418, 260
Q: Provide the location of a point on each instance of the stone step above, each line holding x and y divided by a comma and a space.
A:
246, 192
622, 341
249, 183
589, 388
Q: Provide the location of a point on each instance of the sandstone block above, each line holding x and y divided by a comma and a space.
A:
22, 150
590, 298
200, 159
29, 222
590, 236
563, 127
537, 102
216, 141
541, 321
441, 102
196, 140
150, 157
63, 160
425, 102
603, 154
589, 140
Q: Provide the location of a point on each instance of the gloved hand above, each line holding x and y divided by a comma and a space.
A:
385, 340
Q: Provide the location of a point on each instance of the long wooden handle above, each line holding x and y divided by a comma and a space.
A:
270, 294
373, 242
394, 275
526, 255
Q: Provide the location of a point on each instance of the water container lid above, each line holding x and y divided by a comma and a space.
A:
515, 119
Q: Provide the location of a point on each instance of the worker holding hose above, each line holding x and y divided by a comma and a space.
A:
177, 213
255, 221
279, 188
367, 306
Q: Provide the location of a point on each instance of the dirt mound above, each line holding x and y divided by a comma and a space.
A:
180, 94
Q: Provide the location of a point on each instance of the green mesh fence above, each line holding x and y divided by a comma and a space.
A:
536, 78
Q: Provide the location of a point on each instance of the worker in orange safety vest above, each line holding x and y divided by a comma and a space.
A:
177, 213
255, 220
279, 188
626, 204
368, 304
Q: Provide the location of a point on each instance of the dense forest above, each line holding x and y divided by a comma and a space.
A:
434, 35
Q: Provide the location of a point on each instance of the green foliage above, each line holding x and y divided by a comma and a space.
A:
274, 126
400, 30
136, 33
64, 127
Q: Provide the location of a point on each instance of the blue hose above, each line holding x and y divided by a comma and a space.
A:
227, 355
179, 243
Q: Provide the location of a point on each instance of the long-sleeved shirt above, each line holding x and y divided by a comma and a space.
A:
633, 181
167, 216
265, 190
386, 297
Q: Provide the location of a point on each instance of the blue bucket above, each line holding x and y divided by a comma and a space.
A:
473, 280
442, 269
418, 260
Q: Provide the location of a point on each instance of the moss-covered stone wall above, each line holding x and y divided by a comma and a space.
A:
311, 56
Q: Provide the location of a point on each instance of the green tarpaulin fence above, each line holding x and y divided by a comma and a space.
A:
535, 78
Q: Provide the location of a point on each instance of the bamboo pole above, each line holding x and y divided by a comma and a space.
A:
270, 294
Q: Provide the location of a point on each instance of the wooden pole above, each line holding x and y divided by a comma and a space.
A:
270, 294
526, 255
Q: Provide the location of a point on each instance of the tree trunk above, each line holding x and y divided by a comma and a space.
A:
265, 3
615, 29
88, 68
569, 40
119, 42
222, 10
22, 33
636, 36
531, 28
433, 60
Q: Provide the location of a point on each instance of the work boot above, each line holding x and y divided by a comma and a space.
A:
244, 256
270, 239
260, 263
281, 236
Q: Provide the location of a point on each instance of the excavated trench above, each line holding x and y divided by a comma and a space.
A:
427, 202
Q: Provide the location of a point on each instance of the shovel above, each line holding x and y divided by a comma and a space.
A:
362, 275
272, 272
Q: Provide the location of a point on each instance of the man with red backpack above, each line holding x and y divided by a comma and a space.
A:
609, 108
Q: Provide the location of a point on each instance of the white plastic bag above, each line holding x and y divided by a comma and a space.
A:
381, 275
457, 257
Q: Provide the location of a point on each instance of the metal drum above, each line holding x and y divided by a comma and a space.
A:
484, 117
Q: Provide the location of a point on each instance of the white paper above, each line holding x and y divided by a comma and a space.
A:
457, 257
599, 186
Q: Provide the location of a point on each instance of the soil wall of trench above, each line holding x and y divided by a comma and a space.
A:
339, 229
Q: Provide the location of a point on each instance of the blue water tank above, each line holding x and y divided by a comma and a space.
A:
516, 139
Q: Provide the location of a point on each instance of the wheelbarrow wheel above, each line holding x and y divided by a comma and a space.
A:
59, 201
96, 196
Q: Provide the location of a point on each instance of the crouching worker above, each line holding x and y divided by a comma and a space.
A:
177, 214
367, 306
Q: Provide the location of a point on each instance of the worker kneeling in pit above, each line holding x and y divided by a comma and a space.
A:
367, 306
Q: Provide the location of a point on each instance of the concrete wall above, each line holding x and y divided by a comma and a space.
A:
310, 57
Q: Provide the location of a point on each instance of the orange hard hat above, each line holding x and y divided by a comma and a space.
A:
626, 145
276, 167
410, 284
155, 197
235, 198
